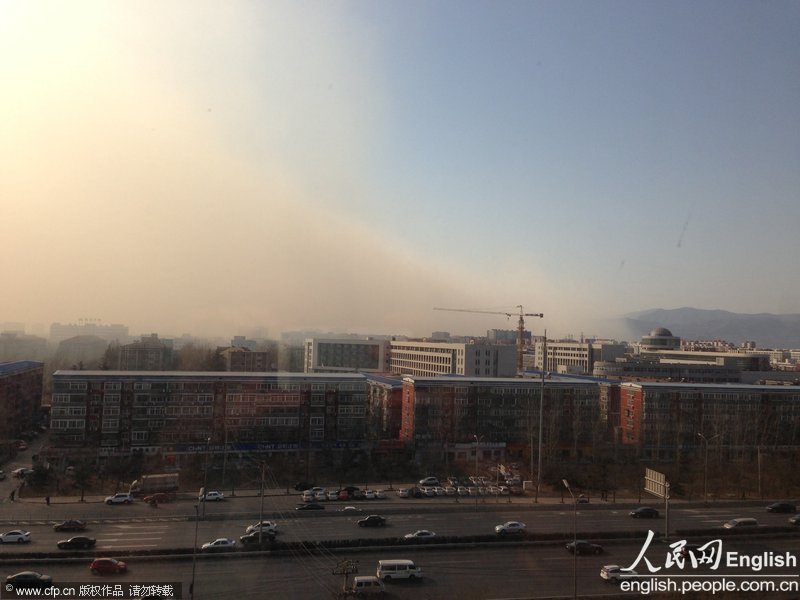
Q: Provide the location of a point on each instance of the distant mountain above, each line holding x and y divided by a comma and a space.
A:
767, 330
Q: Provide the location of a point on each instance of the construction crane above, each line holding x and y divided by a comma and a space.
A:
520, 325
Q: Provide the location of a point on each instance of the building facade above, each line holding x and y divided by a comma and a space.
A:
429, 359
325, 355
21, 384
579, 358
148, 354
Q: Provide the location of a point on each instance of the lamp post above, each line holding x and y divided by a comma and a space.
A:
205, 476
705, 465
574, 540
194, 550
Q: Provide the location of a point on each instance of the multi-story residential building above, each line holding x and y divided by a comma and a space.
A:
385, 407
442, 416
16, 346
326, 355
662, 421
428, 359
148, 354
119, 413
21, 385
569, 356
246, 360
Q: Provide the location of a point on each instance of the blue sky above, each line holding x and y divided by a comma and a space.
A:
213, 167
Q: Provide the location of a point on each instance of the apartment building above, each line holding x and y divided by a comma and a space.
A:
148, 354
21, 385
246, 360
575, 357
119, 413
429, 359
326, 355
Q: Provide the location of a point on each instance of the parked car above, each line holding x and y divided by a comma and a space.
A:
309, 506
268, 526
219, 545
16, 536
30, 579
211, 497
782, 507
22, 472
644, 512
254, 538
70, 525
795, 520
429, 481
107, 566
510, 527
119, 499
420, 534
332, 495
372, 521
615, 573
301, 486
159, 498
403, 493
78, 542
584, 547
380, 495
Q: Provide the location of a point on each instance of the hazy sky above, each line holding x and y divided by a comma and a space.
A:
212, 167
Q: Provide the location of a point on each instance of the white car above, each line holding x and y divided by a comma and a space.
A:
616, 573
429, 481
510, 527
219, 545
420, 534
380, 495
211, 496
403, 493
119, 499
369, 495
320, 496
265, 526
16, 536
333, 495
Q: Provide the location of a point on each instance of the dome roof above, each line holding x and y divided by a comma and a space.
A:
661, 332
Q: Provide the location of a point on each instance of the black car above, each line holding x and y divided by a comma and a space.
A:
372, 521
782, 507
30, 579
644, 512
310, 506
584, 547
78, 542
70, 525
254, 538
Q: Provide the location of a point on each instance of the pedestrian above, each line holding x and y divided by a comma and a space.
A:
47, 500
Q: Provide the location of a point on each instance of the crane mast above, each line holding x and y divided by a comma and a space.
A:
520, 325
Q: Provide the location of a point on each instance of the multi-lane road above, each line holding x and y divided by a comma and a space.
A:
523, 571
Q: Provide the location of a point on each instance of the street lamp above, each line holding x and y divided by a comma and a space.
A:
705, 465
194, 549
574, 540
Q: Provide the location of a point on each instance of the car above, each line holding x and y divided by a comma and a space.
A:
29, 579
119, 499
211, 497
78, 542
256, 538
267, 526
380, 495
741, 523
321, 496
510, 527
21, 445
782, 507
644, 512
366, 585
16, 536
70, 525
462, 490
372, 521
107, 566
584, 547
307, 496
582, 499
403, 493
332, 495
22, 472
615, 573
310, 506
2, 474
219, 545
429, 481
795, 520
429, 492
349, 508
420, 534
344, 495
315, 489
159, 498
301, 486
369, 495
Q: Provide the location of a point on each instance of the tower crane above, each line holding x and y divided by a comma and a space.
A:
520, 325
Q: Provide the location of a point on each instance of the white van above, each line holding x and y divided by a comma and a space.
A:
366, 585
398, 569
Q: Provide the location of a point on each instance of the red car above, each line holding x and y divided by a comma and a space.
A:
159, 497
107, 566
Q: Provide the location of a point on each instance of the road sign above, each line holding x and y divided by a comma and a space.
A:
656, 483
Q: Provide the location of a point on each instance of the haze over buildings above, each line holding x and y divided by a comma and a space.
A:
216, 167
